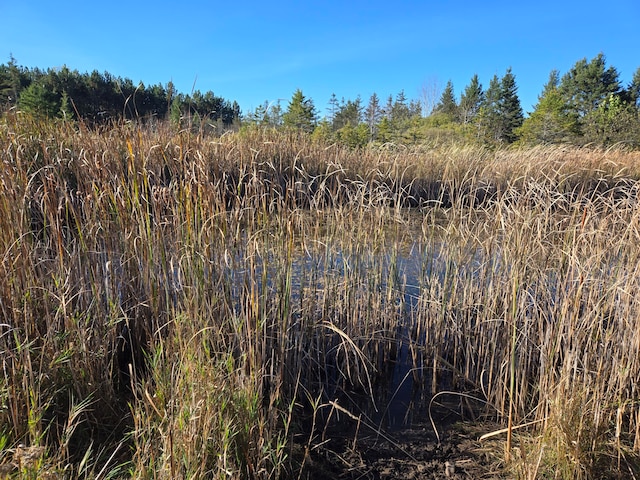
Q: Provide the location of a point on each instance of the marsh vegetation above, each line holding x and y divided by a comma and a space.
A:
176, 305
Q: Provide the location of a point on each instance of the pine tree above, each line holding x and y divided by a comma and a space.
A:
349, 113
488, 118
470, 101
447, 104
587, 84
509, 108
36, 99
552, 120
301, 113
633, 91
400, 109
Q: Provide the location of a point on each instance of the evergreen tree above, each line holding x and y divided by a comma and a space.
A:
489, 126
274, 114
400, 109
633, 91
509, 108
447, 104
471, 100
171, 93
353, 136
37, 100
323, 133
101, 97
373, 114
388, 108
175, 111
415, 109
384, 130
258, 115
333, 108
552, 83
301, 113
65, 107
587, 84
349, 113
552, 120
12, 81
267, 114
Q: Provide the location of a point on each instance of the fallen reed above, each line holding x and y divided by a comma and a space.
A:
181, 306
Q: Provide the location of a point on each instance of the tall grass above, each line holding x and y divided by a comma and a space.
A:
182, 306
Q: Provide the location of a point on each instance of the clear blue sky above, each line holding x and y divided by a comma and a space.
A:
252, 51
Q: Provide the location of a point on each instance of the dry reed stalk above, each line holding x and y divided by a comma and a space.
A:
145, 270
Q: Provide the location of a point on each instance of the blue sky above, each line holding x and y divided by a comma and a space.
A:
253, 52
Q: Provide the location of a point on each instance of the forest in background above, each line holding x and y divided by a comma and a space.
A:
178, 303
588, 104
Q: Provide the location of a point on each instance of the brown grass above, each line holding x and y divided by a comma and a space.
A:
178, 306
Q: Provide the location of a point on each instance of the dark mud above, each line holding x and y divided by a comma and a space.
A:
355, 449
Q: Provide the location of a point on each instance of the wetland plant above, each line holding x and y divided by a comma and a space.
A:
182, 306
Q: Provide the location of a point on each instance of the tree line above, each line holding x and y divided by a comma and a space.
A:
102, 97
588, 104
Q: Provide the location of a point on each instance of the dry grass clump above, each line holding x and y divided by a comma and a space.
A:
182, 306
537, 309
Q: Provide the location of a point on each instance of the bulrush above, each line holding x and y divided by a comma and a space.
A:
188, 306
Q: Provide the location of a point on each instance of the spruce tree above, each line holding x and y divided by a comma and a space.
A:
274, 113
552, 83
14, 81
509, 108
447, 104
552, 120
587, 84
470, 100
175, 111
36, 99
488, 119
65, 107
633, 91
301, 113
400, 109
349, 113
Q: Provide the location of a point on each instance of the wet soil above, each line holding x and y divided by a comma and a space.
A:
409, 452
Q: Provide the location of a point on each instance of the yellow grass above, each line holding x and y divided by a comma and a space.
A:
178, 306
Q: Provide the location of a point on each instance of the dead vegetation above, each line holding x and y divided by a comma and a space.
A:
184, 306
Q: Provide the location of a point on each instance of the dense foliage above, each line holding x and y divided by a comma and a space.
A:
98, 98
586, 105
176, 307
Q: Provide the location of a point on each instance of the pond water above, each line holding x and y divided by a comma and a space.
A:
372, 294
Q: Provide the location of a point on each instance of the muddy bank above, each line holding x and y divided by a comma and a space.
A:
408, 453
